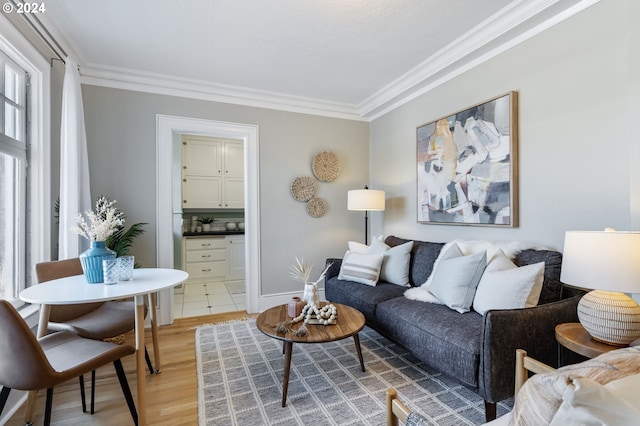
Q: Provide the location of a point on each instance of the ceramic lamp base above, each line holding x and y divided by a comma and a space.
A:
610, 317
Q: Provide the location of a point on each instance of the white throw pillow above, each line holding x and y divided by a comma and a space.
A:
588, 403
505, 286
361, 268
455, 280
395, 266
448, 251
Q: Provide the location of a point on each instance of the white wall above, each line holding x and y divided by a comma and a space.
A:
121, 140
574, 83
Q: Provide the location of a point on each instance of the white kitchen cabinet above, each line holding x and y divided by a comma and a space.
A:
201, 157
201, 192
214, 258
212, 173
235, 257
234, 159
233, 178
205, 258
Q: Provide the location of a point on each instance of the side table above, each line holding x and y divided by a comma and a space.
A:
574, 337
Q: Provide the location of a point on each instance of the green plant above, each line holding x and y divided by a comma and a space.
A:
206, 219
121, 240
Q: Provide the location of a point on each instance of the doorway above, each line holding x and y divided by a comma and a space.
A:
168, 133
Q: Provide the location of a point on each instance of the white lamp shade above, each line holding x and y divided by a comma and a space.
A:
602, 260
365, 200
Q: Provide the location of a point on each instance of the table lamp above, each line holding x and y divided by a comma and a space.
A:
609, 263
365, 200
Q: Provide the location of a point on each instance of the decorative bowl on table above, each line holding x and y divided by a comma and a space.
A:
231, 226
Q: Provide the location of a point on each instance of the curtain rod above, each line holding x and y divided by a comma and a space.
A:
44, 34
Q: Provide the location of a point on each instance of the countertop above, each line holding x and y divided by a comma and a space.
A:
211, 233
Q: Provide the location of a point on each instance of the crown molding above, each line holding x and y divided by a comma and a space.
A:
127, 79
509, 27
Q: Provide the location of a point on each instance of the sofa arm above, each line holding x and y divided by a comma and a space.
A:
531, 329
333, 270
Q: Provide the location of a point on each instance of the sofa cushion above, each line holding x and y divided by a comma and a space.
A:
454, 280
361, 268
505, 286
551, 287
423, 256
435, 334
395, 265
360, 296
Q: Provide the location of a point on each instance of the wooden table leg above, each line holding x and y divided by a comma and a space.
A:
140, 361
154, 330
31, 403
288, 348
356, 339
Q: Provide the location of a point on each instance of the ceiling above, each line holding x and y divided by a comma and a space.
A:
345, 58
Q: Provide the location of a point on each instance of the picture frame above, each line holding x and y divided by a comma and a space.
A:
467, 166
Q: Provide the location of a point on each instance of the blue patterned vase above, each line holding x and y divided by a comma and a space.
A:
92, 261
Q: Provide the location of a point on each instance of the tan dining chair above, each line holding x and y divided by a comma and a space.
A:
29, 364
100, 320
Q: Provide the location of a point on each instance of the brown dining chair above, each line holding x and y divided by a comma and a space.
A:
100, 320
29, 364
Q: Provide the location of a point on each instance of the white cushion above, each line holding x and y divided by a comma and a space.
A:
395, 265
448, 251
588, 403
455, 280
505, 286
361, 268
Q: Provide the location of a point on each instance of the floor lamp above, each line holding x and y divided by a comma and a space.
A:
365, 200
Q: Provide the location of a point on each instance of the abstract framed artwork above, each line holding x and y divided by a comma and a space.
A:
467, 166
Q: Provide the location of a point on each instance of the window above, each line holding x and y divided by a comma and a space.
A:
25, 173
13, 179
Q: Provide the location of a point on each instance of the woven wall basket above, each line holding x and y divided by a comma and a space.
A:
326, 166
303, 188
316, 207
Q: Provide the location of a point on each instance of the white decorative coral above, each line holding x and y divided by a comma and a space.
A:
101, 223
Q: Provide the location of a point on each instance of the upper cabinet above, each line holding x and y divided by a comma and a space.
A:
212, 173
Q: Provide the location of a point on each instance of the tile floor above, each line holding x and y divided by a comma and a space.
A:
208, 298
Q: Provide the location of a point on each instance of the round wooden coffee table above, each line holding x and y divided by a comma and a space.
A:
349, 323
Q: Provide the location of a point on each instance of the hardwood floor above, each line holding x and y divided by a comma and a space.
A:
172, 395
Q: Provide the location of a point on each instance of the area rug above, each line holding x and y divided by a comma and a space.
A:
240, 382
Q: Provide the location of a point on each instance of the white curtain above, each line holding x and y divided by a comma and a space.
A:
75, 195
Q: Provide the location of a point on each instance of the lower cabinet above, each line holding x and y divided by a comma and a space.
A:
235, 257
213, 258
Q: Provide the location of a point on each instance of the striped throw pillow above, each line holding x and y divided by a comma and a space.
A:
361, 268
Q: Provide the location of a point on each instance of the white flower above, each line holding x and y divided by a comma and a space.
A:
99, 225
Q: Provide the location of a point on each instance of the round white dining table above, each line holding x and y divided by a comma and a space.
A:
76, 290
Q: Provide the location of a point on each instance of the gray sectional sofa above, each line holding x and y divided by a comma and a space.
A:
476, 350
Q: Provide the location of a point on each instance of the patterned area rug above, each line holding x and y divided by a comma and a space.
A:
240, 382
